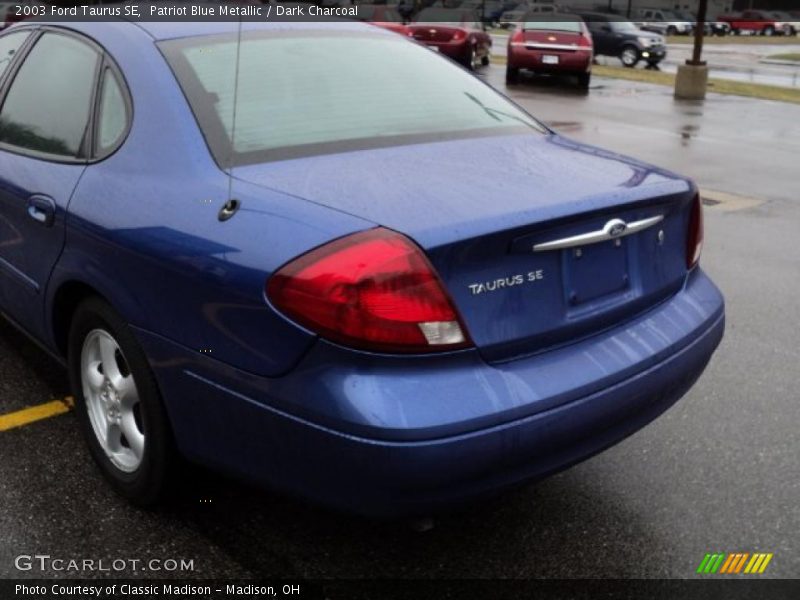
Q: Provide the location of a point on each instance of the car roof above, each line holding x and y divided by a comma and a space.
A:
597, 16
170, 30
165, 30
594, 15
551, 17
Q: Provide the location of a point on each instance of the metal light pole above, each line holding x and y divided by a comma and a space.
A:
699, 32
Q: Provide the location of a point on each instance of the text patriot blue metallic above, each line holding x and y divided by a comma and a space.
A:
576, 349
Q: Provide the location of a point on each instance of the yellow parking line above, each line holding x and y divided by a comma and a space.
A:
32, 414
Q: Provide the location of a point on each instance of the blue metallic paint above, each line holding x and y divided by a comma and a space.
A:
378, 434
390, 437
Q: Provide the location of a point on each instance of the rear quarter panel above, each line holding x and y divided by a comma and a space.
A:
143, 231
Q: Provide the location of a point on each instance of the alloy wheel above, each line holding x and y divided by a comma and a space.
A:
112, 401
630, 56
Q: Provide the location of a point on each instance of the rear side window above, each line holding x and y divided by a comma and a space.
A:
48, 105
113, 117
9, 44
548, 25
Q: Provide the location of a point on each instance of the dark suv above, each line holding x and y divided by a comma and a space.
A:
615, 36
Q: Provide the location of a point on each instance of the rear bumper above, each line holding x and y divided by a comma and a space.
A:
568, 62
343, 435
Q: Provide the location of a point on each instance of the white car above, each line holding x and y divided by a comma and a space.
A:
510, 17
784, 22
665, 22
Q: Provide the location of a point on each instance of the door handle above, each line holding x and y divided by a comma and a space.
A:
42, 209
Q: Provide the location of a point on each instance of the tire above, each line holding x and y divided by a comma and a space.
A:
469, 59
768, 30
512, 74
584, 79
629, 56
788, 30
485, 60
118, 404
672, 30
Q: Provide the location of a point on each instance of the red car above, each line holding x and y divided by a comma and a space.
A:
558, 43
383, 16
750, 20
454, 33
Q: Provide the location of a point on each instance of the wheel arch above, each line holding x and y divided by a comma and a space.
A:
66, 299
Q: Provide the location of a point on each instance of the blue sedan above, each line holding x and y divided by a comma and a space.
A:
327, 260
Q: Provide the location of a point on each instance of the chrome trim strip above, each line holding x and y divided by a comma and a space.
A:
543, 46
614, 229
18, 275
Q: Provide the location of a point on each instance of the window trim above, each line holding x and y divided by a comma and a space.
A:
22, 51
108, 66
87, 151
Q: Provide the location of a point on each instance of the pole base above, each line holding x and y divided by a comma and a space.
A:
691, 82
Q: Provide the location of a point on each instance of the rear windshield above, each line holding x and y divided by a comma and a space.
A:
303, 94
571, 26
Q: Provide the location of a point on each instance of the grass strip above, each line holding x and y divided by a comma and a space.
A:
758, 40
793, 56
718, 86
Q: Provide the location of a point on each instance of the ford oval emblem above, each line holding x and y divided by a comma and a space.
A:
616, 228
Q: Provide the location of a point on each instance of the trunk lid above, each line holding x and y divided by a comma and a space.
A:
432, 32
537, 37
479, 226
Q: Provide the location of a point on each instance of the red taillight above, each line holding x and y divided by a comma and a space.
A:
374, 290
694, 241
458, 35
585, 40
518, 36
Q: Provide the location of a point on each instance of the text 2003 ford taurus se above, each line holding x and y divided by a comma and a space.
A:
370, 281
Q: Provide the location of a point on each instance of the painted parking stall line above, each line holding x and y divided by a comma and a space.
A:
32, 414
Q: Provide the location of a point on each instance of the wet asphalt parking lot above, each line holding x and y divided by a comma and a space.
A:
718, 472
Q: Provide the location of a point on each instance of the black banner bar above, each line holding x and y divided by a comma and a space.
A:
284, 589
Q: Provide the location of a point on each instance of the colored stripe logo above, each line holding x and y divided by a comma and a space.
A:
734, 563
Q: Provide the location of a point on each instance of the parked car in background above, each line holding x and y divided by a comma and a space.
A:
488, 11
441, 4
785, 23
382, 287
10, 14
615, 36
512, 16
711, 27
751, 21
7, 10
559, 44
384, 16
455, 33
405, 8
665, 22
